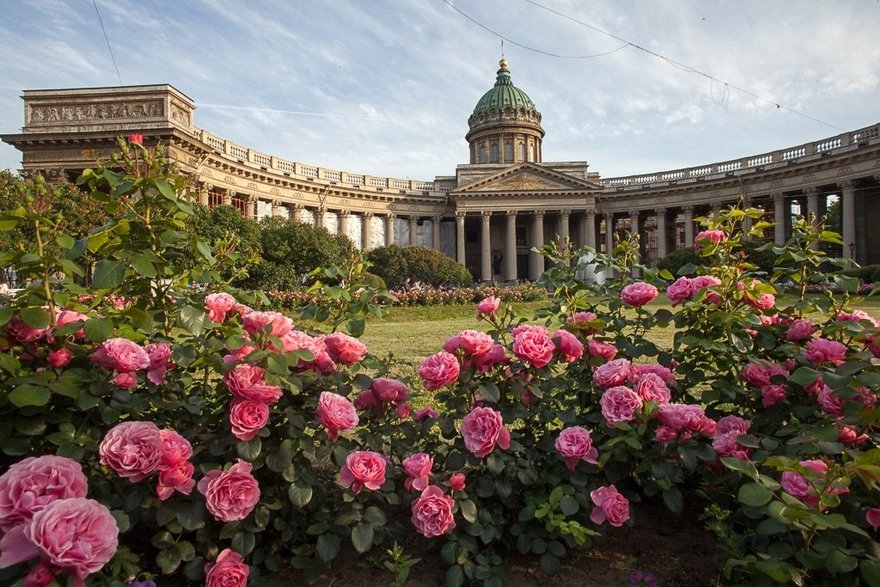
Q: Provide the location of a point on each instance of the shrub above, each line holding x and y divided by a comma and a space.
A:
405, 266
678, 259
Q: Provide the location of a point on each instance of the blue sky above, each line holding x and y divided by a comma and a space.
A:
386, 87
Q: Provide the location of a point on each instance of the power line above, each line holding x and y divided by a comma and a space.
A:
526, 47
106, 38
681, 66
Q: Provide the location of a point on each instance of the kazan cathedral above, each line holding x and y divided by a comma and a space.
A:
505, 200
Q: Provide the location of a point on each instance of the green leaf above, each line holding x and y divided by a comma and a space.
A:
569, 505
192, 517
355, 326
98, 329
838, 562
362, 537
804, 376
109, 273
165, 189
674, 500
277, 364
29, 395
299, 493
468, 510
550, 564
249, 450
8, 222
870, 570
243, 542
168, 560
745, 467
9, 363
454, 576
143, 265
327, 547
35, 317
194, 320
754, 495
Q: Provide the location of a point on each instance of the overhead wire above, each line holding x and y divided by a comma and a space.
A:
106, 38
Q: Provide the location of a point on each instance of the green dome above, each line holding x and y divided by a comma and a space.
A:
504, 94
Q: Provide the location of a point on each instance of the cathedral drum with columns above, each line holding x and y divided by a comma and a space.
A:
496, 207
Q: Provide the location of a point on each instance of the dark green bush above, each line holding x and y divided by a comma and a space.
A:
397, 264
866, 274
678, 259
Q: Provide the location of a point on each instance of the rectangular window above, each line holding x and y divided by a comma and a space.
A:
508, 152
494, 152
522, 151
483, 154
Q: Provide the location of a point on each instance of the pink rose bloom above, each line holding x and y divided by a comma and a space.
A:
482, 429
344, 348
581, 322
59, 358
598, 348
733, 423
638, 294
681, 290
273, 323
830, 402
725, 441
367, 400
363, 468
534, 346
651, 387
760, 374
470, 342
798, 486
857, 316
160, 361
122, 355
495, 356
575, 445
232, 494
76, 535
22, 332
457, 482
873, 517
488, 307
125, 380
438, 370
610, 505
772, 395
247, 381
321, 362
218, 306
620, 404
821, 350
682, 421
612, 373
66, 317
31, 484
664, 373
229, 570
336, 414
136, 138
432, 513
529, 328
705, 237
175, 448
403, 410
177, 477
850, 435
389, 391
40, 576
704, 282
754, 298
247, 418
800, 330
568, 344
133, 450
418, 469
424, 413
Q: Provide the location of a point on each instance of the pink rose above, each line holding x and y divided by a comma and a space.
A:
522, 328
488, 306
175, 448
31, 484
176, 477
336, 414
363, 468
800, 330
857, 316
850, 435
599, 348
482, 429
761, 300
457, 482
272, 323
59, 358
763, 373
76, 535
620, 404
873, 517
568, 344
66, 316
247, 381
651, 387
432, 513
682, 421
681, 290
575, 445
403, 410
230, 495
247, 418
344, 348
704, 282
612, 373
495, 356
122, 355
705, 237
41, 575
125, 380
638, 294
418, 469
821, 350
160, 361
610, 505
438, 370
772, 395
725, 441
661, 371
472, 343
132, 449
218, 305
136, 139
806, 489
321, 362
534, 346
229, 570
390, 391
424, 413
23, 332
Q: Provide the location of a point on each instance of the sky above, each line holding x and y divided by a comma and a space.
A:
385, 87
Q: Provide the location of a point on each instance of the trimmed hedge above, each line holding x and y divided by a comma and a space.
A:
402, 267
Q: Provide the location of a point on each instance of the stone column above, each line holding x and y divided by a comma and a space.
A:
688, 226
812, 204
590, 229
563, 226
227, 198
536, 261
609, 232
486, 247
510, 247
634, 231
435, 229
746, 222
389, 229
413, 230
366, 230
716, 209
848, 218
319, 217
779, 210
459, 237
203, 194
249, 207
661, 233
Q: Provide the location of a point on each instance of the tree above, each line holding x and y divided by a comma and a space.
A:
236, 241
397, 264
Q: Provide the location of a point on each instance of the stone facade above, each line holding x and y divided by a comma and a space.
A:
488, 215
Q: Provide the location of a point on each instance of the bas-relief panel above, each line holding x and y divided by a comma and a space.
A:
100, 111
377, 232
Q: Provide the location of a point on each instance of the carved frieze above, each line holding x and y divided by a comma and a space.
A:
47, 114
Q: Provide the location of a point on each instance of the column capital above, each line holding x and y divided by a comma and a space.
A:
208, 186
660, 211
634, 213
368, 214
391, 216
486, 214
777, 196
344, 213
538, 213
565, 212
847, 184
810, 191
511, 213
688, 208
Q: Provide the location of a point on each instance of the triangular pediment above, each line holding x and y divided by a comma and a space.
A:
526, 178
